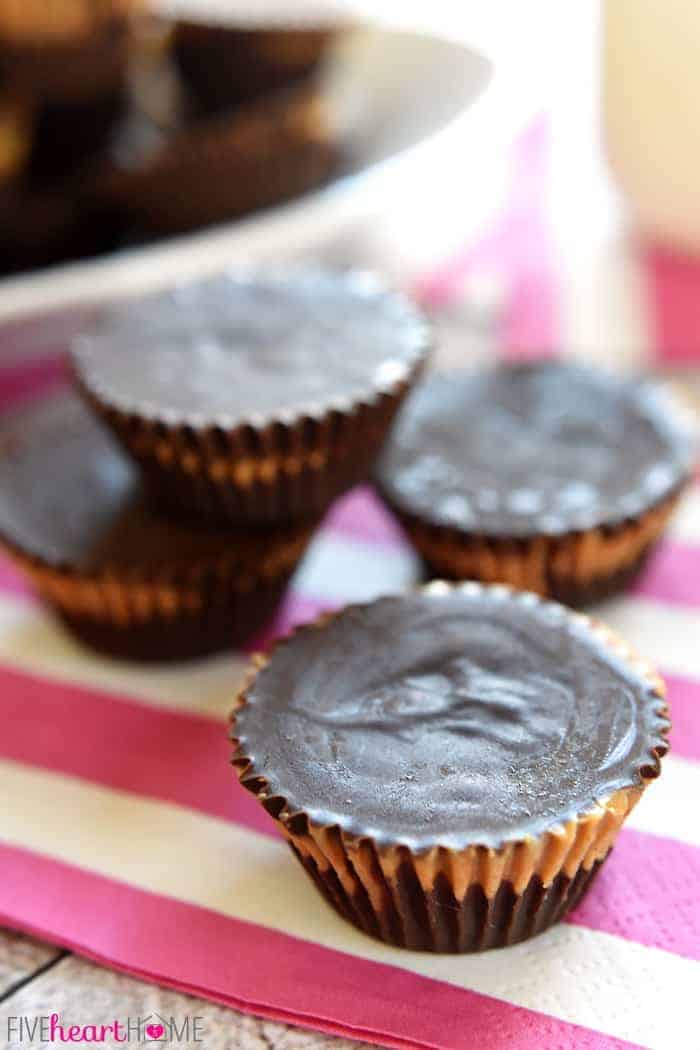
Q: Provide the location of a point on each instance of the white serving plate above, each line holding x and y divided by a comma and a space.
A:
410, 107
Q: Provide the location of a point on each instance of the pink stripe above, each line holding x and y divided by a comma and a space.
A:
647, 892
361, 515
672, 574
296, 609
12, 581
531, 324
443, 284
255, 969
673, 286
184, 759
32, 378
684, 700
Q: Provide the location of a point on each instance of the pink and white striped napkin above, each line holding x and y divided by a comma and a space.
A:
673, 306
124, 836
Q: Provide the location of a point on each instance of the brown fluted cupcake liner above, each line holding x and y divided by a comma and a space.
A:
218, 168
278, 472
222, 66
168, 615
459, 900
576, 568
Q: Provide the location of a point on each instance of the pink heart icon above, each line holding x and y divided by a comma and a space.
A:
154, 1031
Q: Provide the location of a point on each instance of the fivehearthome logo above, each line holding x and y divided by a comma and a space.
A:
152, 1030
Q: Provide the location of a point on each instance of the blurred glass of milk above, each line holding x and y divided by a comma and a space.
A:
651, 103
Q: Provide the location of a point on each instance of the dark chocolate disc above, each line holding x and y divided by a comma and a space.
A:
242, 348
71, 499
450, 716
531, 449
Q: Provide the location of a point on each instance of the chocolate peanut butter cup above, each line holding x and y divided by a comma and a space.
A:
65, 49
123, 579
451, 767
224, 65
547, 476
70, 135
42, 225
255, 397
209, 169
15, 140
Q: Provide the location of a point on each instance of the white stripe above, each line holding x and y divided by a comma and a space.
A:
667, 635
669, 805
685, 523
341, 569
633, 992
32, 640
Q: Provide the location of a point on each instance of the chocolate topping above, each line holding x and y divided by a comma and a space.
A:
238, 348
449, 717
540, 448
71, 499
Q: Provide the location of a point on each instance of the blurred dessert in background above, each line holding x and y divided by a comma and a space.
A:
201, 171
222, 66
67, 60
68, 134
61, 50
44, 225
15, 139
117, 125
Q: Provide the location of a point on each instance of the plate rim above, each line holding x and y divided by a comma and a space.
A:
302, 221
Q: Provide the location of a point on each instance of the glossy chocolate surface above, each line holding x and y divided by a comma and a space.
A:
449, 717
70, 498
530, 449
235, 348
